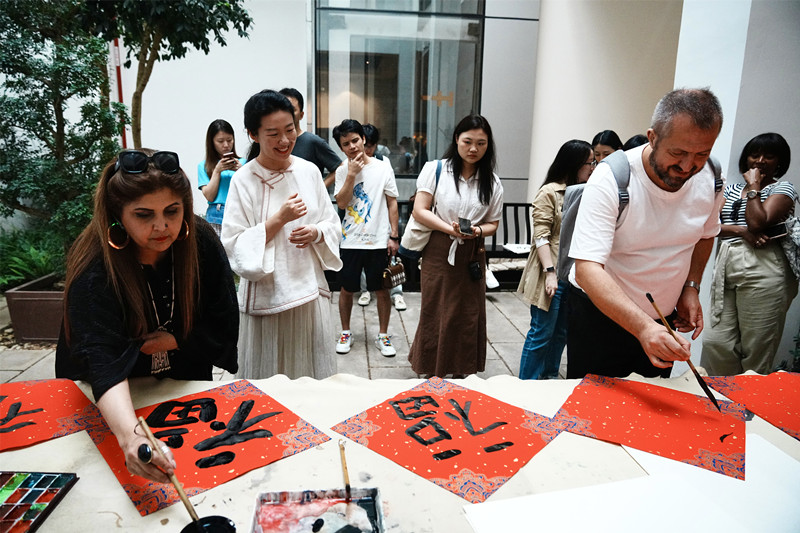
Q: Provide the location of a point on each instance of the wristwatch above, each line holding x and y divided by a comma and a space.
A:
550, 269
692, 284
395, 239
751, 194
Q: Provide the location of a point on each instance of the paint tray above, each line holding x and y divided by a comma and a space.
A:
27, 498
322, 511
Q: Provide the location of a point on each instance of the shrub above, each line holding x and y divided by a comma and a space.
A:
57, 128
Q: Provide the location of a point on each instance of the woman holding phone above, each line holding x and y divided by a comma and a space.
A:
753, 284
461, 199
215, 172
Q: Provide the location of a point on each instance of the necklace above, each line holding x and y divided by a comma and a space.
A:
160, 360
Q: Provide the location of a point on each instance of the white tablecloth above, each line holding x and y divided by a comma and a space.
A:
411, 504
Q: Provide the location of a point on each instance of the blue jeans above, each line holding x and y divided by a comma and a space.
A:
544, 344
214, 213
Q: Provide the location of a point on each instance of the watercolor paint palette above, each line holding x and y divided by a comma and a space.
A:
26, 498
321, 511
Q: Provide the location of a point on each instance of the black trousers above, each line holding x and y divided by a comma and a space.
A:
598, 345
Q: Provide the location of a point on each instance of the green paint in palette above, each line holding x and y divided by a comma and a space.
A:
27, 498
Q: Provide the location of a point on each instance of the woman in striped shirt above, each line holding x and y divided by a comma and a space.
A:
753, 284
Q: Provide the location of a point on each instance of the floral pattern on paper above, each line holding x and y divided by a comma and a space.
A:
357, 428
301, 437
474, 488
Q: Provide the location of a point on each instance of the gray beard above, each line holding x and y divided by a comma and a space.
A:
674, 184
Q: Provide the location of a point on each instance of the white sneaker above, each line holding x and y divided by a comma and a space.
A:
346, 339
365, 298
384, 342
491, 281
399, 302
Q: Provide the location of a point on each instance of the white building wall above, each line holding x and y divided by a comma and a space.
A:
185, 95
600, 65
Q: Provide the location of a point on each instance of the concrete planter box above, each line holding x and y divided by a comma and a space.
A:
36, 310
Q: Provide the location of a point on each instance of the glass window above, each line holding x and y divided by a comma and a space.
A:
412, 75
463, 7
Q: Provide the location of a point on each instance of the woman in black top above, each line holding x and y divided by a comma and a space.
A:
149, 293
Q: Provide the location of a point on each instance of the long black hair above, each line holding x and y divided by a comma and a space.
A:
608, 138
570, 158
258, 106
212, 157
486, 164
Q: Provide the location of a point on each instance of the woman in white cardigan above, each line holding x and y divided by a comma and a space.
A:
281, 232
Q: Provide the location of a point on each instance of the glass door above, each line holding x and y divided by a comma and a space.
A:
413, 75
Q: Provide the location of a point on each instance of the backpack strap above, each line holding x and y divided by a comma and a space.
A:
621, 169
717, 168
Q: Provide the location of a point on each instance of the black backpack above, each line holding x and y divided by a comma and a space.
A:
621, 169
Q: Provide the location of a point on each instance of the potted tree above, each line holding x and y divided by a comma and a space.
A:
57, 129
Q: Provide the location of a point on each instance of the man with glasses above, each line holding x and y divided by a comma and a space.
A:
658, 245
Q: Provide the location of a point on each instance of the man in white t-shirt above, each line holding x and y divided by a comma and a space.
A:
658, 245
365, 189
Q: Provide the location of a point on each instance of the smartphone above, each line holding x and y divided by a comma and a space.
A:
228, 155
465, 226
777, 231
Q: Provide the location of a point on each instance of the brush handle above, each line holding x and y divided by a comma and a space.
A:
700, 380
344, 470
156, 444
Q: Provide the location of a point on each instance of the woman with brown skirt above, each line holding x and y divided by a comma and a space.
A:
461, 203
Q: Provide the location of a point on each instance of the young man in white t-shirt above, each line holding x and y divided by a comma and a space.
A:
366, 190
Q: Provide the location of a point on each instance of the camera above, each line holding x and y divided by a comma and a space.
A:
475, 271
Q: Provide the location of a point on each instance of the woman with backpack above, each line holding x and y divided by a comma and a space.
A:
539, 286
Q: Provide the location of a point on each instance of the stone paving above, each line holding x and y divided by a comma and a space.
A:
507, 319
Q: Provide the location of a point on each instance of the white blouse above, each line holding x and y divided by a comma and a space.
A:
277, 275
450, 204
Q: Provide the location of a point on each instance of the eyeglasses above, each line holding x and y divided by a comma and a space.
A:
591, 163
135, 162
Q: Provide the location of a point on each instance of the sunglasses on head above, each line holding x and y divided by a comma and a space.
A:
136, 162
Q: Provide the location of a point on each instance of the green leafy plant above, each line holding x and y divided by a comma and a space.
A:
27, 255
57, 127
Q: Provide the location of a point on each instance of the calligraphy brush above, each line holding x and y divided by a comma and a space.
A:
346, 475
156, 444
694, 370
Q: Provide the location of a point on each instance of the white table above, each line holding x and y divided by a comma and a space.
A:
411, 504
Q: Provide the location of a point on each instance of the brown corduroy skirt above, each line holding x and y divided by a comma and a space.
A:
451, 335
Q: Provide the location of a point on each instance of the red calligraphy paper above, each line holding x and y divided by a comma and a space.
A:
775, 398
661, 421
215, 436
460, 439
37, 411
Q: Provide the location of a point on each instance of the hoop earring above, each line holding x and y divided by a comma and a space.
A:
111, 242
185, 229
